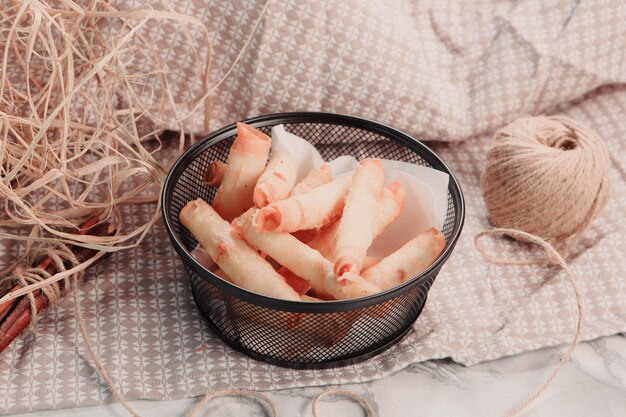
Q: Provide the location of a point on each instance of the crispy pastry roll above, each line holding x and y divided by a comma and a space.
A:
277, 180
315, 178
357, 226
240, 262
408, 261
246, 162
310, 210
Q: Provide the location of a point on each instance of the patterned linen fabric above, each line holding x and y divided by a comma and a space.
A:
440, 70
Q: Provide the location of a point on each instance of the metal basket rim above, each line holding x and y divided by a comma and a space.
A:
322, 118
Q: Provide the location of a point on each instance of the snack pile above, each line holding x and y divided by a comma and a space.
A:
301, 240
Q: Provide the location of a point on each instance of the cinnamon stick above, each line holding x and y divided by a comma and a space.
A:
20, 316
6, 307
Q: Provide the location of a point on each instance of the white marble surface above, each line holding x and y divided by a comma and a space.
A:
592, 384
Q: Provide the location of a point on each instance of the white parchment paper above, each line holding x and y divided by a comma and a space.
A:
426, 189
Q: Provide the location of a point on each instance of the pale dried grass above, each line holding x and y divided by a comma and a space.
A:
84, 96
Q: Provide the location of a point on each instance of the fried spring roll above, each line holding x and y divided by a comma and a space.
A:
246, 162
390, 206
315, 178
303, 261
310, 210
277, 180
215, 174
241, 263
408, 261
357, 227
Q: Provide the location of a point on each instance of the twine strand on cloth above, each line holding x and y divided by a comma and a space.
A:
554, 256
119, 396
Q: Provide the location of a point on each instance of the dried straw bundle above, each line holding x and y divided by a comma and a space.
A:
84, 94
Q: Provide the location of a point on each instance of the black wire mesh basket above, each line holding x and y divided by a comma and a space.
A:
306, 334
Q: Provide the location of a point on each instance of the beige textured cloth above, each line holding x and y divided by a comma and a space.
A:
440, 70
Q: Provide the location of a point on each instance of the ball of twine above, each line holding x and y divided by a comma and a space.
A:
546, 179
547, 176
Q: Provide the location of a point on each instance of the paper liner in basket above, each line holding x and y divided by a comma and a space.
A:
426, 190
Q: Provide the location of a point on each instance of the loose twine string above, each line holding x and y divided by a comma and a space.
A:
348, 394
555, 257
